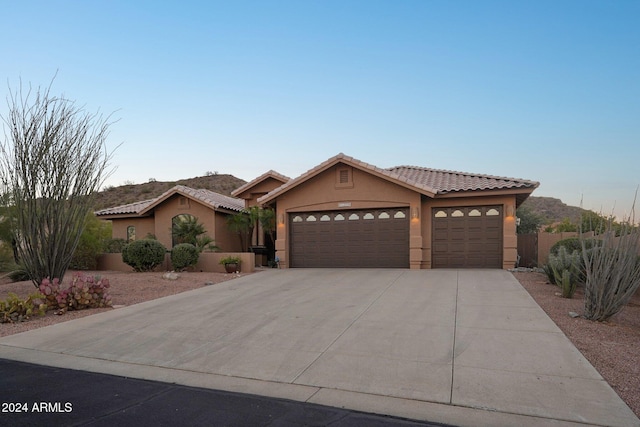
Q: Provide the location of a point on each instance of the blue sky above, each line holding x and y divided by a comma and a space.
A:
542, 90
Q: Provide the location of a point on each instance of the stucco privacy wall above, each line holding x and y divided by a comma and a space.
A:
143, 227
208, 261
510, 241
324, 192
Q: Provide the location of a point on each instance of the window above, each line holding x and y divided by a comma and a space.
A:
354, 217
441, 214
297, 218
131, 233
493, 212
457, 213
399, 215
368, 215
311, 218
325, 218
383, 215
475, 212
338, 217
182, 227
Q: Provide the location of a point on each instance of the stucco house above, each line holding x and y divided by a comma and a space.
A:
156, 216
348, 213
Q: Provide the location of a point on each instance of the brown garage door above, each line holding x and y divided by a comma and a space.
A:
467, 237
364, 238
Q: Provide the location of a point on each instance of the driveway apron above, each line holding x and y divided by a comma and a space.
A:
464, 347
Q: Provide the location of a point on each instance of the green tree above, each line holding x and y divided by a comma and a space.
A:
240, 223
92, 243
52, 160
530, 222
268, 222
565, 226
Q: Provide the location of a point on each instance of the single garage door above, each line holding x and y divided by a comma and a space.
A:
467, 237
359, 238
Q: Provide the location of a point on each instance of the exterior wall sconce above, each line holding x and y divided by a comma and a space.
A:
415, 213
281, 219
510, 211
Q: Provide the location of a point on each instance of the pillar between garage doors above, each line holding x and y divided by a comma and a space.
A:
415, 237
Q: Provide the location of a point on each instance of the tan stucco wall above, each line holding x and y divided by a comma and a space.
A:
252, 194
226, 240
323, 193
208, 261
510, 241
144, 226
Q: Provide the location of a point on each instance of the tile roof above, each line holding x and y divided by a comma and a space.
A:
444, 181
125, 209
268, 174
425, 180
206, 197
341, 157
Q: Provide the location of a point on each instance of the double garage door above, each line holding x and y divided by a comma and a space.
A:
462, 237
374, 238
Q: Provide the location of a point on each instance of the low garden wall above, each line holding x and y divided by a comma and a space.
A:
208, 261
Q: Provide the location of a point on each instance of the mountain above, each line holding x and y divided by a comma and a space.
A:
552, 210
124, 194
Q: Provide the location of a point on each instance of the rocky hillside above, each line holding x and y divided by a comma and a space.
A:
552, 210
116, 196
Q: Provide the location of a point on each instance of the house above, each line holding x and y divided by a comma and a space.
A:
156, 216
348, 213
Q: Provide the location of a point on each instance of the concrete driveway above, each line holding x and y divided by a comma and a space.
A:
463, 347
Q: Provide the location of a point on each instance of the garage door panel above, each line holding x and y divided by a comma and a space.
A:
367, 238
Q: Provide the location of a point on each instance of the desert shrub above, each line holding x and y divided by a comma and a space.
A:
83, 292
13, 309
184, 255
612, 273
114, 246
144, 255
565, 270
573, 244
91, 243
19, 274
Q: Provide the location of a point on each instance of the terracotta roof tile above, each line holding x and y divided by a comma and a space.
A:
271, 173
125, 209
444, 181
211, 198
206, 197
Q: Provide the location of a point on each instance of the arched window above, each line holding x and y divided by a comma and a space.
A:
183, 229
131, 233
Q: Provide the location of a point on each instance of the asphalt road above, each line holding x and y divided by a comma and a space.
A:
35, 395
